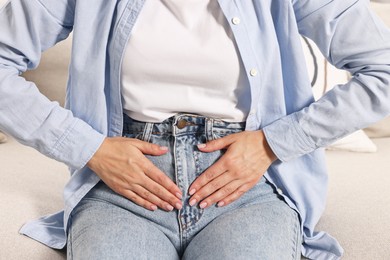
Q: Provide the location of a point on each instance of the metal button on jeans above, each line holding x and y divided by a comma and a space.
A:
182, 123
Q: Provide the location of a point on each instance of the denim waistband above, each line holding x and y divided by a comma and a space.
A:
180, 124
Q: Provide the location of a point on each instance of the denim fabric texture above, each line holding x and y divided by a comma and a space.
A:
260, 225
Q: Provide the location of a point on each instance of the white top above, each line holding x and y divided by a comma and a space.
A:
181, 57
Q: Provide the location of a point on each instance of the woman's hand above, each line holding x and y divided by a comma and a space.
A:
121, 164
247, 158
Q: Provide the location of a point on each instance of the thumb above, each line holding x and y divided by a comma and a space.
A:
149, 148
218, 144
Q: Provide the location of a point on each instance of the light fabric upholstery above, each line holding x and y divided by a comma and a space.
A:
51, 75
358, 208
380, 129
30, 186
3, 138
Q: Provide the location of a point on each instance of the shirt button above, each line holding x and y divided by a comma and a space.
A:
280, 192
236, 20
253, 72
252, 112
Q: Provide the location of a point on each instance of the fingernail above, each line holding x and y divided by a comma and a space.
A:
221, 204
201, 145
164, 148
169, 208
192, 192
192, 202
203, 205
154, 207
178, 206
178, 195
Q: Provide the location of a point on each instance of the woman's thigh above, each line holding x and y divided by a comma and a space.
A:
268, 230
101, 230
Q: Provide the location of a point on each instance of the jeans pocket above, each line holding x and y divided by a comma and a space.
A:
220, 133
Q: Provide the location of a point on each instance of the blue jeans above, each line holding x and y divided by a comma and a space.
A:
259, 225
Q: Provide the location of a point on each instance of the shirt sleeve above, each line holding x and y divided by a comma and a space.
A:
352, 38
28, 27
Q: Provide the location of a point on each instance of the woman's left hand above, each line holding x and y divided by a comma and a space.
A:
247, 158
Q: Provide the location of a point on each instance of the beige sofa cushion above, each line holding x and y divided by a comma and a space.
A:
380, 129
51, 75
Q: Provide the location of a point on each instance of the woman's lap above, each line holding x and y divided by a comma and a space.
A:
102, 230
259, 225
261, 231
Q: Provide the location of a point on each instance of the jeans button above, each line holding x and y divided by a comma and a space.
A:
182, 123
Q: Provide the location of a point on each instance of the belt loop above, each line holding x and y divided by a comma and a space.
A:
147, 132
176, 118
209, 128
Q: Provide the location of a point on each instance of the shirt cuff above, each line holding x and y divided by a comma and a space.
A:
77, 145
287, 139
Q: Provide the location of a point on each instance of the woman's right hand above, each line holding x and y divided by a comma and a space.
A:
121, 164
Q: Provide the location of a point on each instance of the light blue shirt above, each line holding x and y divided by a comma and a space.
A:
267, 33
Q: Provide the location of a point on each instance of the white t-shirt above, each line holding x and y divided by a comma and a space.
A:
181, 57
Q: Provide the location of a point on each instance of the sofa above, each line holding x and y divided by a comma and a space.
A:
357, 212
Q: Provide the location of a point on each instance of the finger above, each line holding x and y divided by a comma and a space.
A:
144, 187
159, 177
211, 173
163, 194
217, 144
138, 200
152, 198
149, 148
218, 187
235, 195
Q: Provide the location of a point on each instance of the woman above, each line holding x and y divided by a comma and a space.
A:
219, 155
